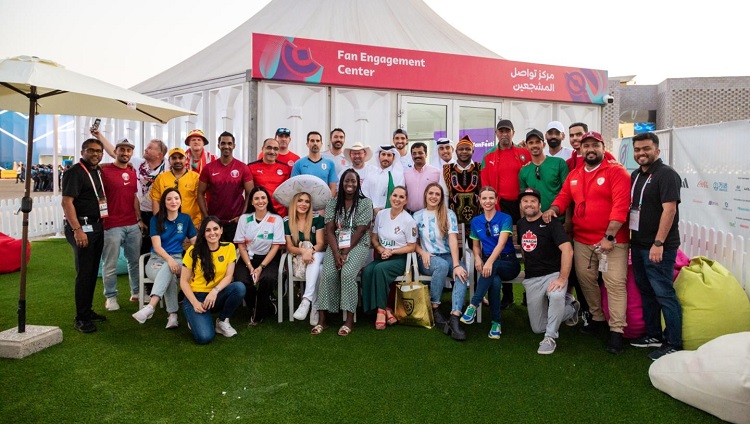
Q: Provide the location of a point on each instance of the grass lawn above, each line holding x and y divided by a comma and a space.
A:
127, 372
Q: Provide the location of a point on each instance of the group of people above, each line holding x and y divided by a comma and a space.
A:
575, 211
42, 175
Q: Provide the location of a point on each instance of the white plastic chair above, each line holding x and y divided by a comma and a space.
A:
143, 280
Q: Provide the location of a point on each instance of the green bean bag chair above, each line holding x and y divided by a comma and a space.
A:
713, 302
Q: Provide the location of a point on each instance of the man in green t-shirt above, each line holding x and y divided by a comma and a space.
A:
544, 173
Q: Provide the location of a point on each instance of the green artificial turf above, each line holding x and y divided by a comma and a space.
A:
127, 372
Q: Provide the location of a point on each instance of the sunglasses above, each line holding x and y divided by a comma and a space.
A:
538, 176
283, 131
487, 228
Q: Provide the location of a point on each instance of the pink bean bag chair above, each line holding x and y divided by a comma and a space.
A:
634, 312
10, 251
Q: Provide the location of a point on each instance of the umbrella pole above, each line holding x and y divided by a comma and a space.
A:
26, 204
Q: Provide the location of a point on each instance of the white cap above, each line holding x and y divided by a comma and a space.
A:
556, 125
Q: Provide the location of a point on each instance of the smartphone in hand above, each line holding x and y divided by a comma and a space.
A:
95, 127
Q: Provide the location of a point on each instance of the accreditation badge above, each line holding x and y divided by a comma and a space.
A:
103, 211
635, 218
345, 239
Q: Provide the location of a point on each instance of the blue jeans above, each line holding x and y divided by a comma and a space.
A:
654, 281
440, 266
165, 282
505, 268
129, 237
202, 325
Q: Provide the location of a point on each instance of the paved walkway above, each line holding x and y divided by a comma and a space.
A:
10, 190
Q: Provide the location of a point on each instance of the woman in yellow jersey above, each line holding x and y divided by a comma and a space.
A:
206, 281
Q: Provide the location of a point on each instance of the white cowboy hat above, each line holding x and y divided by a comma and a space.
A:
319, 191
358, 146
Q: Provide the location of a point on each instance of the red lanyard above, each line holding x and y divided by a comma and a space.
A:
99, 172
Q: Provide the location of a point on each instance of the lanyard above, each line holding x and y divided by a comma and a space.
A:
632, 190
351, 219
104, 193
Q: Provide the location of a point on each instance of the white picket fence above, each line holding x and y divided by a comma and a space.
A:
45, 219
725, 248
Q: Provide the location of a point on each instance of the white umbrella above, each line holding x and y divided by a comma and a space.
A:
38, 86
319, 191
59, 91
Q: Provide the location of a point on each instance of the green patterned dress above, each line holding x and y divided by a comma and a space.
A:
337, 289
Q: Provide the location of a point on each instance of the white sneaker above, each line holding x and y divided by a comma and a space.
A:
547, 346
145, 313
111, 304
302, 311
133, 297
224, 328
314, 316
172, 321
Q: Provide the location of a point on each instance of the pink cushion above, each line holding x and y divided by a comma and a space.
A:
681, 261
634, 313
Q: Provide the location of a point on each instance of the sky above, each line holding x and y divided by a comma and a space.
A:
124, 43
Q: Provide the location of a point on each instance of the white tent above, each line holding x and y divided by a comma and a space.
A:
406, 24
217, 83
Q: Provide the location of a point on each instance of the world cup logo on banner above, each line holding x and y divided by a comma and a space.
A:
283, 60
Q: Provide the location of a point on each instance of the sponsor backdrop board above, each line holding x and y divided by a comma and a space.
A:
713, 163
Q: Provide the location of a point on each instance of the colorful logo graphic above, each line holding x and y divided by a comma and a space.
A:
281, 59
528, 241
586, 85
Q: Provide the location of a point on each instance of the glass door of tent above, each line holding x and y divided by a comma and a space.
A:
477, 120
428, 119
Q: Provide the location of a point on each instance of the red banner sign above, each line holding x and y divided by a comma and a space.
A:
326, 62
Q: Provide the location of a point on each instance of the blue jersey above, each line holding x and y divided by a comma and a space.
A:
323, 169
488, 233
175, 232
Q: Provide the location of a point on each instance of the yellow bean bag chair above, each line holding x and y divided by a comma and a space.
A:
713, 302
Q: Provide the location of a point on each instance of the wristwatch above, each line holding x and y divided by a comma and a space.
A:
658, 243
609, 237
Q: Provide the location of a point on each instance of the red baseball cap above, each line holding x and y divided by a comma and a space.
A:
593, 134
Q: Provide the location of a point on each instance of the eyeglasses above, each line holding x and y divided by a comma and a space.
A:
94, 151
283, 131
538, 176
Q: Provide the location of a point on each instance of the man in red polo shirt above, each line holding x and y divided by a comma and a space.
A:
500, 169
123, 226
269, 173
601, 192
227, 182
